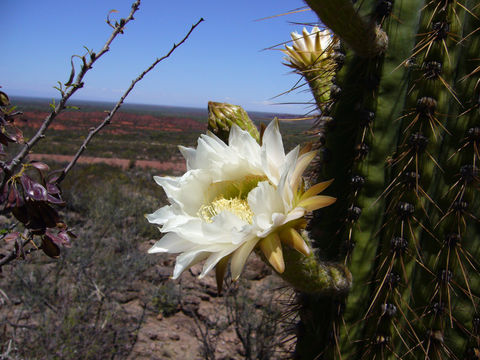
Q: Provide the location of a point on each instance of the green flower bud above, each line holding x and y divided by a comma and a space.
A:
221, 117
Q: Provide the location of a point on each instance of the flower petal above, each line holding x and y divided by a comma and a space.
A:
302, 164
242, 143
189, 155
161, 215
316, 189
214, 259
186, 260
220, 271
272, 152
171, 243
264, 201
292, 238
272, 249
284, 187
240, 257
186, 191
316, 202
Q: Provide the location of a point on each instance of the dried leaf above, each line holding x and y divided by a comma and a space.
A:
19, 136
33, 190
14, 197
11, 236
47, 214
49, 247
55, 200
60, 239
4, 100
40, 165
21, 214
53, 188
5, 138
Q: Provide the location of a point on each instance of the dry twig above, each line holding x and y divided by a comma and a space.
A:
117, 106
72, 88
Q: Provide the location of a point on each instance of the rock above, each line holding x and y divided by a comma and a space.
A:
210, 285
190, 304
125, 296
211, 313
16, 300
174, 337
204, 297
153, 336
256, 269
167, 354
157, 273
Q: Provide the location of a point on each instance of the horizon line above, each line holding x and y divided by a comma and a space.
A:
127, 103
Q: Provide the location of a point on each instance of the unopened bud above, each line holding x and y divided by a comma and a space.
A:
222, 116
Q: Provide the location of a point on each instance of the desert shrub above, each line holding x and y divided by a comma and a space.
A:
70, 308
66, 311
132, 186
257, 322
166, 298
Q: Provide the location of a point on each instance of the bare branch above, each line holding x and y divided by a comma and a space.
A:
117, 106
86, 66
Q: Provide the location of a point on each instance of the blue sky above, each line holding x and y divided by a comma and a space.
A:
222, 60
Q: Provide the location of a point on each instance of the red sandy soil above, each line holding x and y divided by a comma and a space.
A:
173, 167
122, 123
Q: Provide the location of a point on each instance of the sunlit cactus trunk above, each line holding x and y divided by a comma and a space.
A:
399, 133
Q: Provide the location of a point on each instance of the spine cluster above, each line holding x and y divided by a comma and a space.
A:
399, 133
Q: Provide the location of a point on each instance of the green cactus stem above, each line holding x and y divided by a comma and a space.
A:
364, 37
401, 136
309, 275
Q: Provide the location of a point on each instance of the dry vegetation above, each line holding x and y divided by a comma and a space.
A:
105, 298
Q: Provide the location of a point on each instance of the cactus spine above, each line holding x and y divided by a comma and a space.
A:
399, 132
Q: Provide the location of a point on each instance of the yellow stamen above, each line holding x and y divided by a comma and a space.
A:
236, 206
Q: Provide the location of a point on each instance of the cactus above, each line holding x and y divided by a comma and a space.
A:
399, 132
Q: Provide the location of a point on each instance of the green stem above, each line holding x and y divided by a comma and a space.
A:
312, 276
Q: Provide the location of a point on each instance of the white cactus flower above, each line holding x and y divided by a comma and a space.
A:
234, 197
308, 49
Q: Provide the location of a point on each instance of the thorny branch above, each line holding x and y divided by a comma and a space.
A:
117, 106
72, 88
